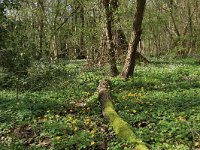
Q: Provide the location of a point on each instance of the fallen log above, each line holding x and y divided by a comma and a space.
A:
121, 128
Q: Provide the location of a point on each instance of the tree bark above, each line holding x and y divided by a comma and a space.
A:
82, 17
109, 10
130, 63
41, 27
121, 128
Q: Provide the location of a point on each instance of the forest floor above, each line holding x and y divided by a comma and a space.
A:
57, 107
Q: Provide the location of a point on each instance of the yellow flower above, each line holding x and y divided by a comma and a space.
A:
92, 131
130, 94
75, 129
134, 111
92, 142
69, 118
87, 120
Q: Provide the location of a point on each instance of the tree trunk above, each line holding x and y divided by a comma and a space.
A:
121, 128
129, 65
109, 10
56, 47
121, 46
41, 28
82, 17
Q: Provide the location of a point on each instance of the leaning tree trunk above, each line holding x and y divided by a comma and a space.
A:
130, 63
109, 10
121, 128
121, 46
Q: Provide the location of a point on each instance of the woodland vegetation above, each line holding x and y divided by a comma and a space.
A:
100, 74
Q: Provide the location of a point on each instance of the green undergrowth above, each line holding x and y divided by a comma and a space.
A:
55, 106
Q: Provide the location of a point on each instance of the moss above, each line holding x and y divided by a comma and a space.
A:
122, 128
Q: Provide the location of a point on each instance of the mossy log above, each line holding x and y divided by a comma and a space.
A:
121, 128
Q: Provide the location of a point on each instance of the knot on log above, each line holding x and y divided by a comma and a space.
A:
104, 85
104, 92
